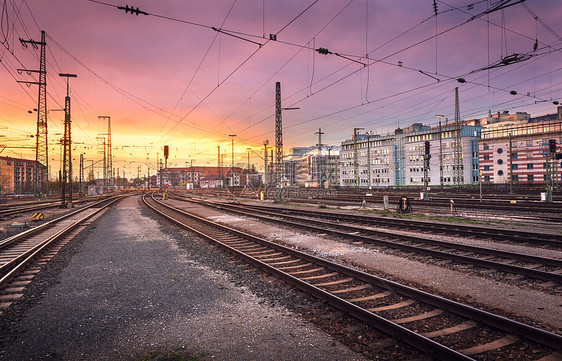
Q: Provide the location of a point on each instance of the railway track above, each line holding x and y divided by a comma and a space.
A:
441, 328
516, 207
22, 255
540, 268
498, 234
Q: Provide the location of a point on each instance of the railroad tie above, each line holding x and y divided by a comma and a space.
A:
450, 330
423, 316
502, 342
393, 307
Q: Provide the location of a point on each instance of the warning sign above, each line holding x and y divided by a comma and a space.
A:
37, 216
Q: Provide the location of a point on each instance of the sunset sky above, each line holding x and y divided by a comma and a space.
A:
169, 78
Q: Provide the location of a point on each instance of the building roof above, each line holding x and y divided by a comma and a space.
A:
19, 160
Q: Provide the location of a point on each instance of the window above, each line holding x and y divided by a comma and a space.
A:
486, 178
515, 177
515, 166
500, 172
529, 154
486, 157
500, 161
530, 178
514, 155
486, 167
530, 165
529, 143
499, 150
486, 147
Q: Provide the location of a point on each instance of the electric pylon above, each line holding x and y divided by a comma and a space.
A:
41, 175
458, 164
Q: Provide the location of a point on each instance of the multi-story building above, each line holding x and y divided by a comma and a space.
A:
21, 173
519, 151
176, 176
305, 167
6, 176
371, 160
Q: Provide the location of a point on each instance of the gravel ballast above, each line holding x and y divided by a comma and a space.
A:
124, 288
536, 307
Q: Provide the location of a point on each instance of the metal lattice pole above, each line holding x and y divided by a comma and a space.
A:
278, 136
67, 147
41, 183
458, 172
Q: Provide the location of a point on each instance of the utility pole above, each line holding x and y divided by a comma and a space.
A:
67, 140
109, 163
248, 150
104, 182
219, 165
510, 167
440, 152
41, 183
369, 160
458, 171
329, 166
80, 192
278, 139
265, 143
426, 158
232, 158
192, 172
166, 154
320, 174
356, 157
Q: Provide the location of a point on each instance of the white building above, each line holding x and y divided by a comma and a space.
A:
370, 160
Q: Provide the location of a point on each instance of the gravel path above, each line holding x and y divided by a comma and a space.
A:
125, 288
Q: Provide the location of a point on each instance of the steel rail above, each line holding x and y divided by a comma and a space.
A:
323, 227
45, 225
457, 229
11, 268
526, 331
412, 338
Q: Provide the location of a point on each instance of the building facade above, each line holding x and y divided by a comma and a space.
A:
311, 167
520, 152
232, 177
17, 175
399, 159
501, 148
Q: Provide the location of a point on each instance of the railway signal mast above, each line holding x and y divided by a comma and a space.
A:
426, 158
550, 166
